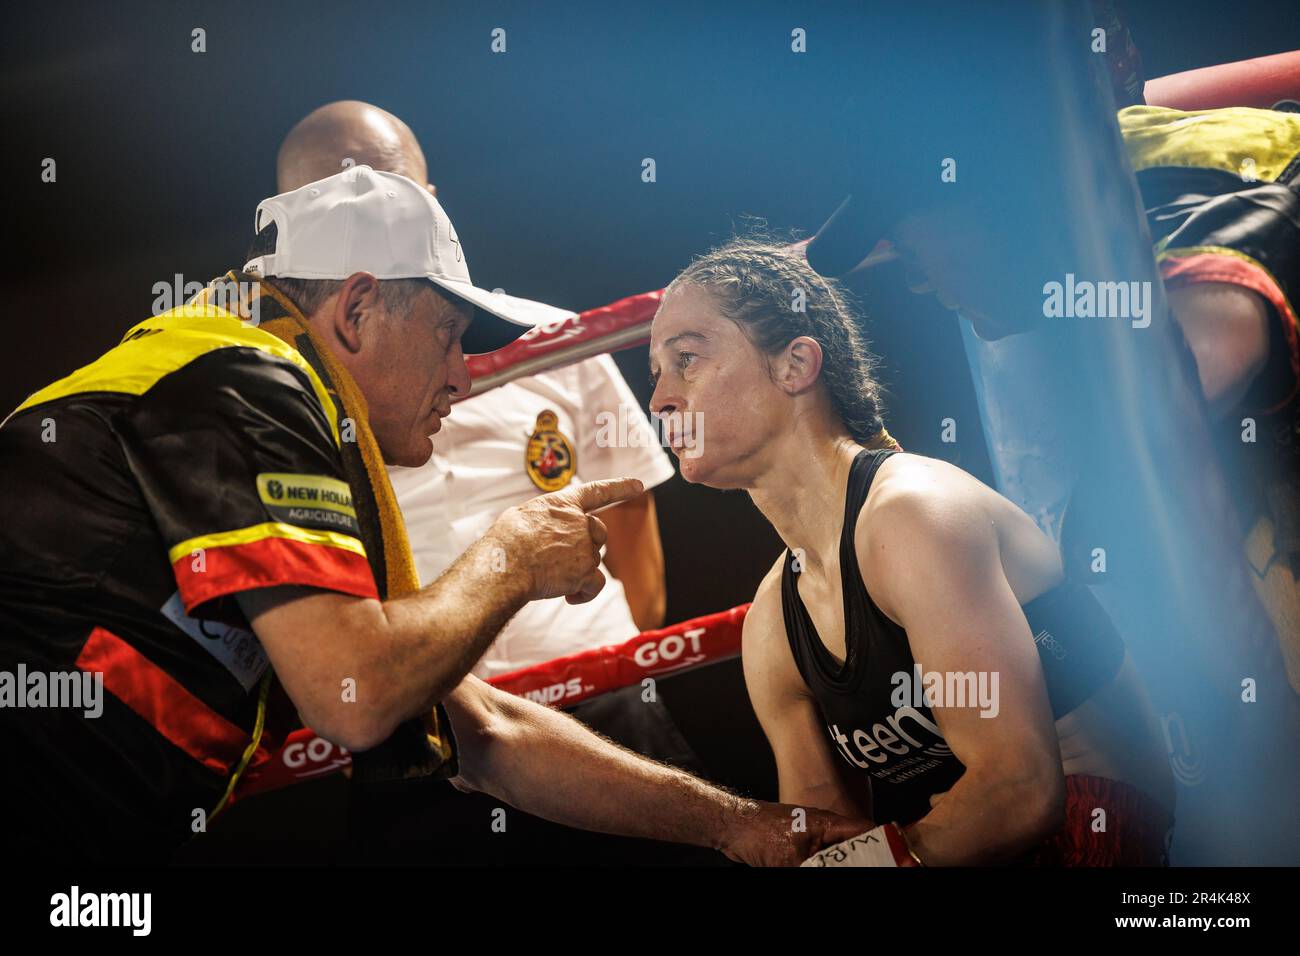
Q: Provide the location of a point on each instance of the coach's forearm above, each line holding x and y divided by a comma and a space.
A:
434, 637
402, 656
356, 668
548, 764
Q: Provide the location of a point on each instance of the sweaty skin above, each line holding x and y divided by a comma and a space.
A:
982, 559
926, 513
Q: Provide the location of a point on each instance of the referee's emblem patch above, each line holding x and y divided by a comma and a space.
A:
549, 458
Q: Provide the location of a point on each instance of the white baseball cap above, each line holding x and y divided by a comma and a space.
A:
361, 220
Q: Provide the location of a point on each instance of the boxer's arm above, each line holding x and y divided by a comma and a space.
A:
806, 770
932, 563
548, 764
635, 555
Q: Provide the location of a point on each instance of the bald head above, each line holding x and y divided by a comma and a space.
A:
324, 140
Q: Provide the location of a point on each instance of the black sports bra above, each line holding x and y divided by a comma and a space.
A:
878, 722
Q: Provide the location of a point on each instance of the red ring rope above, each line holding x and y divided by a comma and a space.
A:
620, 325
563, 681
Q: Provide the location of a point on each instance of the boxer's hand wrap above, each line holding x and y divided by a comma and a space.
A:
883, 846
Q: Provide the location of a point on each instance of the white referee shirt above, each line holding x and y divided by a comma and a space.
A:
498, 450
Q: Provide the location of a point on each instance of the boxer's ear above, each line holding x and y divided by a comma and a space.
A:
798, 366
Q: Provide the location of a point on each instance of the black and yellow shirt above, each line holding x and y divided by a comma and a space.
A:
198, 458
1221, 191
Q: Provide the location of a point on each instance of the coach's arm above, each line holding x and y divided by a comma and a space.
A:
546, 763
405, 654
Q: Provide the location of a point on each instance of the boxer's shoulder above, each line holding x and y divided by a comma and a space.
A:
920, 513
913, 495
770, 669
764, 614
764, 625
906, 478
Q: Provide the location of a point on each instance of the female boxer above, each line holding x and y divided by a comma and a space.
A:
916, 654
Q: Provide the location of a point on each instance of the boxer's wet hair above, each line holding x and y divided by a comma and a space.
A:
310, 294
754, 279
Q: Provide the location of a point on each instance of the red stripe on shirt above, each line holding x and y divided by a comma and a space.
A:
270, 562
163, 702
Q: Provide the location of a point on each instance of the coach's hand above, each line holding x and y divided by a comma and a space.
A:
777, 834
555, 541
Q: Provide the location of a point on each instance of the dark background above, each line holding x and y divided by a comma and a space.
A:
162, 155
